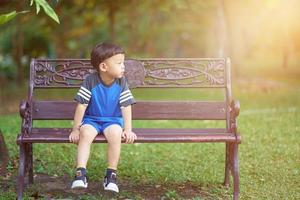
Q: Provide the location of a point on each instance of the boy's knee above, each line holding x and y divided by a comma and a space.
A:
113, 132
83, 133
87, 133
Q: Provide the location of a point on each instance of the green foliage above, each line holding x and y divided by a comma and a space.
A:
22, 40
160, 28
4, 18
48, 10
7, 69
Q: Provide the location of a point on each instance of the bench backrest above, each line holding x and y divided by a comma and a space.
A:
143, 73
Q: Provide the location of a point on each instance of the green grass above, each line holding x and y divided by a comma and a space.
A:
269, 154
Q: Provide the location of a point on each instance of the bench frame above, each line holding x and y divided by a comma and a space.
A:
143, 73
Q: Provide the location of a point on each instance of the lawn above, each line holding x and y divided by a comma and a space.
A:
269, 123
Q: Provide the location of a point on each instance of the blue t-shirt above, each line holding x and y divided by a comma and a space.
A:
104, 102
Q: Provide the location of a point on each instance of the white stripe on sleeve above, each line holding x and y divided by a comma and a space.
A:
83, 92
83, 96
127, 91
124, 96
86, 90
129, 97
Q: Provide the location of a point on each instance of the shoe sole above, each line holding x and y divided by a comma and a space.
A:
111, 188
79, 185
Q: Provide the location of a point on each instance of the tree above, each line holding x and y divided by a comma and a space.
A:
4, 157
18, 39
4, 18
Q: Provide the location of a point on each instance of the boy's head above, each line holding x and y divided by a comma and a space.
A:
101, 54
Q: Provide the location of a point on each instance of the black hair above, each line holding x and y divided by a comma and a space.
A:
103, 51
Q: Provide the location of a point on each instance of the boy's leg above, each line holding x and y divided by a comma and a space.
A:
113, 135
86, 137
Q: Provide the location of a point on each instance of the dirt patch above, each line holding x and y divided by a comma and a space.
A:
54, 187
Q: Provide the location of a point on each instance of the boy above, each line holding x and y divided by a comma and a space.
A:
104, 107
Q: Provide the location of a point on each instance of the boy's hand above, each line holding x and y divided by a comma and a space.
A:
74, 136
129, 136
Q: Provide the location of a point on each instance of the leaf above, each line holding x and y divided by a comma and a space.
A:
31, 2
48, 10
9, 16
37, 8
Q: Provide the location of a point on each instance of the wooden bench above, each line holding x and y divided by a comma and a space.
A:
161, 74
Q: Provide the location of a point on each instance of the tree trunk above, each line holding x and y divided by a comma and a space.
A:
60, 34
221, 31
4, 157
111, 17
18, 44
229, 44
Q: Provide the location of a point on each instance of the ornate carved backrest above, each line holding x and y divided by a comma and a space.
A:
59, 73
139, 73
146, 73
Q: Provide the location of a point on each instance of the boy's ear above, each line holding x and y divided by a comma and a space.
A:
103, 67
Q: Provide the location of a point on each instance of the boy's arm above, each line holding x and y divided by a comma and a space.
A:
127, 133
79, 112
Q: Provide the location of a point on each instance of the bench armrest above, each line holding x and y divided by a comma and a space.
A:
24, 109
234, 113
234, 108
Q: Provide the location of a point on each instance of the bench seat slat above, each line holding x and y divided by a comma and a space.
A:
60, 135
48, 110
137, 130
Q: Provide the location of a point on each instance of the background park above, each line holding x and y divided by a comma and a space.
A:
262, 38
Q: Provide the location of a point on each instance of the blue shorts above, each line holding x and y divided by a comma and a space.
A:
101, 123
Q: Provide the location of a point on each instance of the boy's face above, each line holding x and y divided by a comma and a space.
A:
115, 66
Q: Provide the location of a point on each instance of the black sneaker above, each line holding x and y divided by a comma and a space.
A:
110, 183
80, 180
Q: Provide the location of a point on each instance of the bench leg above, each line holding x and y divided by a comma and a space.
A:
235, 171
29, 163
21, 176
227, 165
